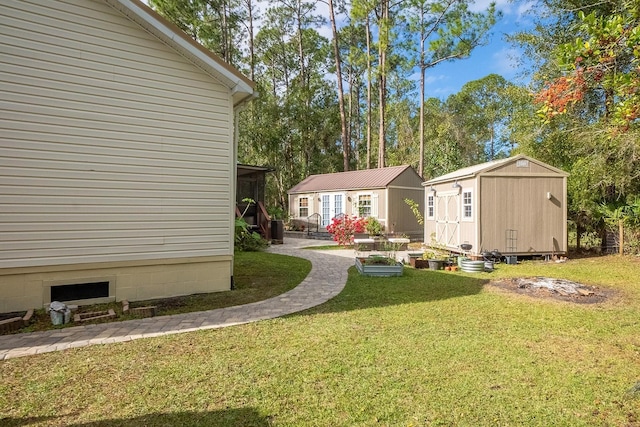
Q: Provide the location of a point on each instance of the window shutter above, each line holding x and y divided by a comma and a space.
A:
374, 205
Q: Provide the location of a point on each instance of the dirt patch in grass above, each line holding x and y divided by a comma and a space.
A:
556, 289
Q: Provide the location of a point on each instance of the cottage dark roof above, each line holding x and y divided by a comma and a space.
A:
352, 180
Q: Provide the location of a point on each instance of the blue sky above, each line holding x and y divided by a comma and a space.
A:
497, 56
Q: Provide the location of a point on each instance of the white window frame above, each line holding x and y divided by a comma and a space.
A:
300, 207
465, 205
431, 206
370, 204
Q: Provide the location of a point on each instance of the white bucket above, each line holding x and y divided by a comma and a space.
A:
59, 313
57, 318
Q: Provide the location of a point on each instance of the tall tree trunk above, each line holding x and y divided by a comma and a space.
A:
252, 54
346, 143
492, 149
369, 103
303, 71
423, 70
421, 130
383, 42
353, 120
226, 36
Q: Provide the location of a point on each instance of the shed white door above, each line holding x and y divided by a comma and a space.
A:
448, 218
331, 205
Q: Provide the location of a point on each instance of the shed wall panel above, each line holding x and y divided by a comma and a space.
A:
408, 178
521, 204
112, 146
401, 218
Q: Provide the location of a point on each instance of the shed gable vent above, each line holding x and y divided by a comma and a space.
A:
522, 163
80, 291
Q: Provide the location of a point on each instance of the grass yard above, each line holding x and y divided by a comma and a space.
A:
426, 349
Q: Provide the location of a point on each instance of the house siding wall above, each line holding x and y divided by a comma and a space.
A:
23, 289
112, 146
116, 156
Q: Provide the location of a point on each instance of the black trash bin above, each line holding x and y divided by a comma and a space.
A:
277, 231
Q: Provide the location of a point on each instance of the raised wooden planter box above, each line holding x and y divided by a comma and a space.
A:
379, 270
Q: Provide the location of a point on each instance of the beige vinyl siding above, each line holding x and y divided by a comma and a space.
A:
112, 146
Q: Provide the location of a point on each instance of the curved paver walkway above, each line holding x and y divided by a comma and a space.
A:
326, 280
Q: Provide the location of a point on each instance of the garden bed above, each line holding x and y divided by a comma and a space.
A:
379, 266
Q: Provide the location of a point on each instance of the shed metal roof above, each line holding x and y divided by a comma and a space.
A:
351, 180
474, 170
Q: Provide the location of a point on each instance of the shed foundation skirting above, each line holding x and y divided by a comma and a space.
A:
30, 287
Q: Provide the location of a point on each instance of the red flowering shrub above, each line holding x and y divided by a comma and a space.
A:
344, 228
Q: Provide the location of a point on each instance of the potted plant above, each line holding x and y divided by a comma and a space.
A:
373, 226
435, 264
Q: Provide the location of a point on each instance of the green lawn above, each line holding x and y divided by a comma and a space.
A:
429, 348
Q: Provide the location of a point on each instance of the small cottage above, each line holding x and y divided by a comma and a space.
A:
117, 154
378, 193
516, 205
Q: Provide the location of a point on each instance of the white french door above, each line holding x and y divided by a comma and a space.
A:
331, 205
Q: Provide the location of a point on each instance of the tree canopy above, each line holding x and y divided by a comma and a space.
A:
357, 99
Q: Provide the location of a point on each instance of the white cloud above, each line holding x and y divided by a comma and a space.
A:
524, 8
429, 80
482, 5
505, 61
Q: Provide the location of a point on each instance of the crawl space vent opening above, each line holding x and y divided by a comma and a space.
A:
80, 291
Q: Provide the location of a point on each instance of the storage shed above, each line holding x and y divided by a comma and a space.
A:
516, 205
117, 155
377, 193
